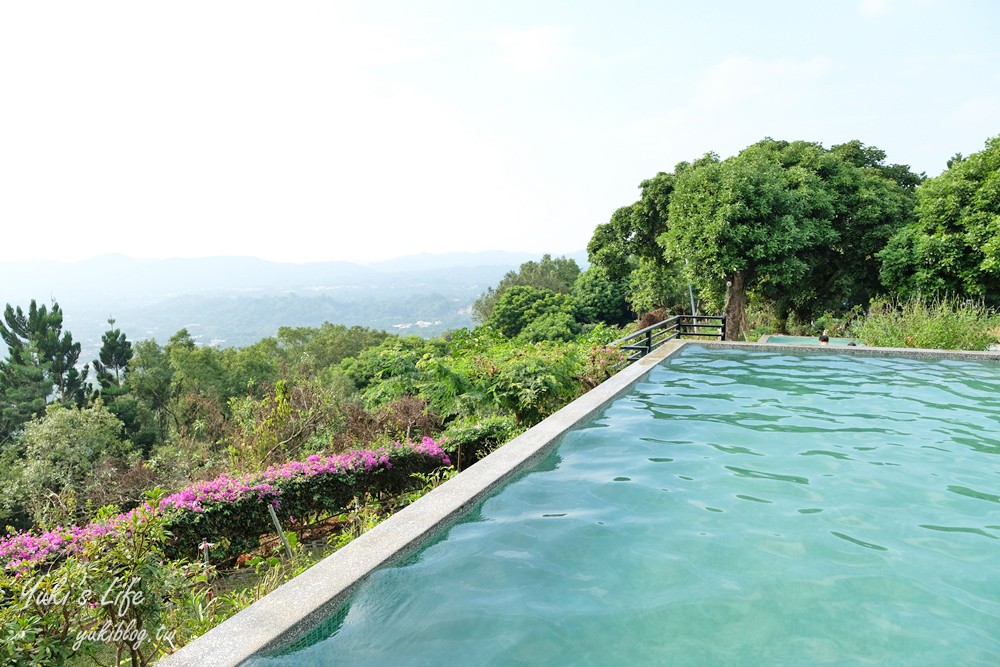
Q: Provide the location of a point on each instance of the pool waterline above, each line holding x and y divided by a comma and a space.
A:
317, 596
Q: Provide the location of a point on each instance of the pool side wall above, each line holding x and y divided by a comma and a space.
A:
298, 605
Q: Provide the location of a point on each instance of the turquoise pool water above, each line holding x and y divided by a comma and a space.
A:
808, 340
736, 508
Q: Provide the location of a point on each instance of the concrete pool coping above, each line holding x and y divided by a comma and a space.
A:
297, 606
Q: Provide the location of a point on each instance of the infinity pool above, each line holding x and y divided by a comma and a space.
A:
735, 508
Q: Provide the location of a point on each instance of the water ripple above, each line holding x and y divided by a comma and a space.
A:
760, 474
860, 543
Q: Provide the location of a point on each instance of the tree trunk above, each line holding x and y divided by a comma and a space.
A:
736, 307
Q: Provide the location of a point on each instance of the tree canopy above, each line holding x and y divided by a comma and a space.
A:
557, 275
112, 365
953, 246
627, 248
41, 365
791, 223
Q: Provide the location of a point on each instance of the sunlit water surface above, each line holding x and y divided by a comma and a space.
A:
735, 508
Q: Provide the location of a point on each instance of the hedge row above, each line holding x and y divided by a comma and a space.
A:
231, 512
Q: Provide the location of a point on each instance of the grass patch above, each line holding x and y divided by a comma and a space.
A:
942, 324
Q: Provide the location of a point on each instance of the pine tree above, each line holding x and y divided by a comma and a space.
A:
116, 351
41, 365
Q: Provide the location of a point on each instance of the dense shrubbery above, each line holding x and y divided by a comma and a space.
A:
471, 438
113, 599
943, 324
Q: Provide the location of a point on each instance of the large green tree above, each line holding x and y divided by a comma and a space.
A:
862, 199
558, 275
747, 221
41, 365
61, 449
598, 298
791, 224
953, 246
521, 305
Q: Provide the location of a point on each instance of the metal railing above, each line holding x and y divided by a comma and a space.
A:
640, 343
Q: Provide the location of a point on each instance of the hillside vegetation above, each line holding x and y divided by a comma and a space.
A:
155, 465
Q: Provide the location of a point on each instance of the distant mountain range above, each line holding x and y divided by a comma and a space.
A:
236, 301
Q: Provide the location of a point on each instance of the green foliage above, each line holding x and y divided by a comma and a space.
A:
598, 298
942, 324
41, 362
654, 284
632, 233
834, 324
217, 375
609, 247
872, 201
470, 438
188, 387
627, 248
23, 392
755, 228
115, 353
40, 616
530, 381
151, 380
792, 223
558, 325
602, 362
61, 450
953, 247
310, 350
788, 223
556, 275
763, 319
521, 305
277, 427
122, 585
448, 384
389, 371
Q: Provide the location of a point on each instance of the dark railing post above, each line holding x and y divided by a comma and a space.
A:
644, 341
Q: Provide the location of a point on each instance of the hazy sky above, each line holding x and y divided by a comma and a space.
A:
308, 131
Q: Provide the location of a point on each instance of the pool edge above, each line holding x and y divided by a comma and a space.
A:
861, 350
292, 609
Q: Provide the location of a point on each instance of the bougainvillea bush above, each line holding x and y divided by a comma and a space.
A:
128, 588
111, 597
231, 511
